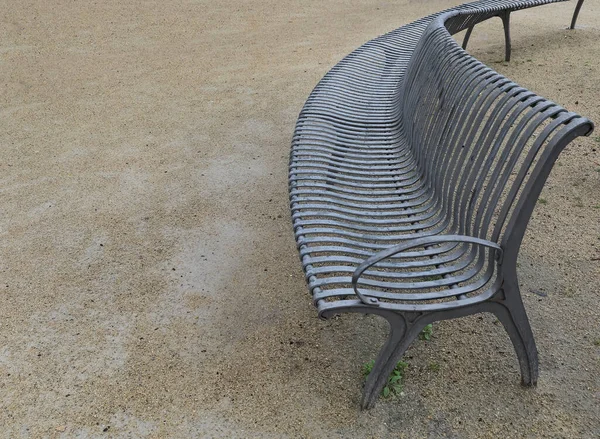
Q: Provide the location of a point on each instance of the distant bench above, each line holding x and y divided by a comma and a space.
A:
504, 15
414, 171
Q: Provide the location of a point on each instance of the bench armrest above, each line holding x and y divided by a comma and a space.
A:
412, 243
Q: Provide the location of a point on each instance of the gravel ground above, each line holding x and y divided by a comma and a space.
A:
149, 279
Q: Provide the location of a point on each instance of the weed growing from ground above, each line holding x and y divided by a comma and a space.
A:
426, 332
395, 381
394, 384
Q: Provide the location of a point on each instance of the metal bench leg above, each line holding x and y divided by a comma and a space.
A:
402, 334
511, 313
505, 16
467, 36
576, 14
506, 22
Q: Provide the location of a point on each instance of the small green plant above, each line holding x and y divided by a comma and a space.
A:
597, 342
426, 332
578, 202
597, 139
434, 367
543, 201
368, 367
394, 384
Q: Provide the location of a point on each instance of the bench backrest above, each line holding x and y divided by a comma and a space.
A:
485, 145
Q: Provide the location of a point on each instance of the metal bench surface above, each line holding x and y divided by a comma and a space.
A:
413, 174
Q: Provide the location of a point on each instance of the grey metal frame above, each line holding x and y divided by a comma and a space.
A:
414, 171
576, 14
505, 17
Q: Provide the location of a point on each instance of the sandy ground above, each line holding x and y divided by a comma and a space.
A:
150, 285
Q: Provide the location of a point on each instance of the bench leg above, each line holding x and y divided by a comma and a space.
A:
511, 313
505, 16
406, 327
576, 14
467, 36
507, 46
402, 334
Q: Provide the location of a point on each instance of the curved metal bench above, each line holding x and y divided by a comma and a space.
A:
413, 174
